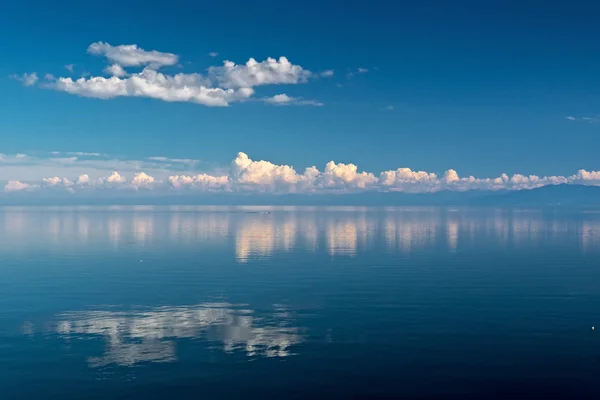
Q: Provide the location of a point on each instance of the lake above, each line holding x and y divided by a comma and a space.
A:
298, 302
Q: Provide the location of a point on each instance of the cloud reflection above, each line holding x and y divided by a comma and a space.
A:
251, 234
150, 336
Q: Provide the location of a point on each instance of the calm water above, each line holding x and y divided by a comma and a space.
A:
214, 303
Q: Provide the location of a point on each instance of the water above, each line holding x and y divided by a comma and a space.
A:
216, 302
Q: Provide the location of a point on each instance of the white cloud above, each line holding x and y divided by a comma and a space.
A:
327, 73
362, 70
173, 160
213, 54
220, 86
115, 70
254, 73
132, 56
69, 67
202, 182
27, 79
248, 175
56, 181
83, 179
346, 176
141, 179
153, 84
115, 177
587, 119
408, 180
285, 100
16, 186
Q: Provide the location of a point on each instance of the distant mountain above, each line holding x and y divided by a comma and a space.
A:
552, 195
558, 195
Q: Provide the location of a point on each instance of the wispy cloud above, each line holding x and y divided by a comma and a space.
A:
213, 54
327, 73
389, 108
356, 71
27, 79
285, 100
587, 119
70, 67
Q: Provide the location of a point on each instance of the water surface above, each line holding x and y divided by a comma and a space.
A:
284, 302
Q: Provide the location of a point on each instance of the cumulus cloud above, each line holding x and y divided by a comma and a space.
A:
219, 86
141, 179
153, 84
56, 181
201, 181
115, 70
16, 186
115, 177
254, 73
248, 175
285, 100
83, 179
130, 55
345, 176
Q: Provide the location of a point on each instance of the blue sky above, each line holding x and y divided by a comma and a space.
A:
483, 88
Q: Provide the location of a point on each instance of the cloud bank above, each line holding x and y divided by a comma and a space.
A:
246, 175
218, 86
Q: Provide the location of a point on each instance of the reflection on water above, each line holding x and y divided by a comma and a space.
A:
150, 336
377, 301
337, 231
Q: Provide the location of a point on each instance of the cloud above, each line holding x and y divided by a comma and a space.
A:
16, 186
203, 182
115, 70
132, 56
247, 175
285, 100
173, 160
327, 73
359, 70
26, 79
141, 179
82, 179
389, 108
588, 119
218, 87
213, 54
69, 67
153, 84
254, 73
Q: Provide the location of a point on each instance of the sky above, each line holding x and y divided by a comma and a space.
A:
271, 96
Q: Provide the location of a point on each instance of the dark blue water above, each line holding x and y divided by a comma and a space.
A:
218, 303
